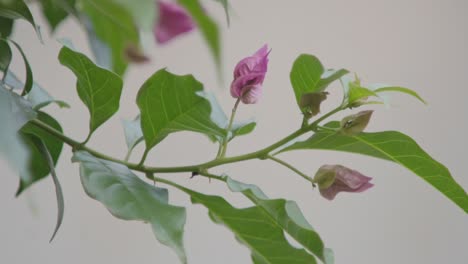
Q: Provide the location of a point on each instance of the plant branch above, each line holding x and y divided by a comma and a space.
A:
223, 147
289, 166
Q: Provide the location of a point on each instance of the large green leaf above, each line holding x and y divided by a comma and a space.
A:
114, 26
15, 111
56, 11
144, 12
98, 88
286, 214
38, 165
206, 25
129, 198
393, 146
253, 227
170, 103
17, 9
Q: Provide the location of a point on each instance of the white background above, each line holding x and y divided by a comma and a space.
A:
417, 44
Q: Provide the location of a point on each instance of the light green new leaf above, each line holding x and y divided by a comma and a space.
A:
56, 11
393, 146
114, 26
17, 9
170, 103
98, 88
144, 12
284, 213
356, 93
254, 228
38, 165
206, 25
129, 198
15, 111
401, 90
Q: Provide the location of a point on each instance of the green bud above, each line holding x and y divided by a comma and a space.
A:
355, 124
310, 103
325, 176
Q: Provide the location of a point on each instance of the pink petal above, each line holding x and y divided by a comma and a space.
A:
251, 94
173, 21
239, 85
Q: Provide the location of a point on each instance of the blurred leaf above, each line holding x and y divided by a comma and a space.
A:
98, 88
254, 228
58, 189
15, 111
5, 56
207, 26
401, 90
393, 146
114, 26
129, 198
170, 103
17, 9
29, 75
133, 132
285, 214
101, 51
38, 97
226, 7
6, 27
38, 165
144, 12
55, 11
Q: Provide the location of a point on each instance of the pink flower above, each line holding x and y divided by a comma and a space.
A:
249, 75
333, 179
173, 21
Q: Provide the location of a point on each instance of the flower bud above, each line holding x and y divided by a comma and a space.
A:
249, 75
333, 179
173, 21
355, 124
310, 103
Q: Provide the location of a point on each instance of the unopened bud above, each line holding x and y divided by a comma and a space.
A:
310, 103
355, 124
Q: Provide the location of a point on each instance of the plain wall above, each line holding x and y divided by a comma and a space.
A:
417, 44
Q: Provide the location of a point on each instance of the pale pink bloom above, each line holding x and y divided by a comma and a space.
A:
173, 21
345, 180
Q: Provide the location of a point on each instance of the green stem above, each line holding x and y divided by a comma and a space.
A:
198, 168
223, 147
289, 166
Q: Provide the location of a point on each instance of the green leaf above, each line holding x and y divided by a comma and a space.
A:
5, 56
129, 198
101, 51
358, 93
133, 132
254, 228
401, 90
170, 103
56, 11
284, 213
144, 12
114, 26
15, 111
330, 76
6, 27
242, 128
98, 88
17, 9
58, 188
29, 75
305, 75
207, 26
226, 8
393, 146
38, 165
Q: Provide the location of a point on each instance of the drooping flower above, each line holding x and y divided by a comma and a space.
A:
249, 75
173, 21
333, 179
